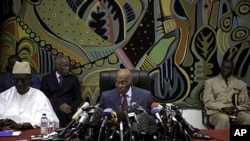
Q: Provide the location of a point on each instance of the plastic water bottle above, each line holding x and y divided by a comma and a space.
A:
44, 124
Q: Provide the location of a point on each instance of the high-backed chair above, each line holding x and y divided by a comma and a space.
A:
140, 79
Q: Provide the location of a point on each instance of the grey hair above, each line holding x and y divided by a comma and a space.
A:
60, 57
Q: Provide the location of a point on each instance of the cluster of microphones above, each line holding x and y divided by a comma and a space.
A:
163, 122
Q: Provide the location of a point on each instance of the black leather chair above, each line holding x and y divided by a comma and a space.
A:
140, 79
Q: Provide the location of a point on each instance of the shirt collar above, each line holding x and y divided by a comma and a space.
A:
57, 74
229, 78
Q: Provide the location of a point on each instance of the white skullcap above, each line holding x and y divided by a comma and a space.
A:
21, 67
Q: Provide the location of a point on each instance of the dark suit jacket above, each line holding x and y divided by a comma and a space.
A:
112, 99
69, 92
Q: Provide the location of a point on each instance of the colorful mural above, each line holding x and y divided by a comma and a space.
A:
180, 42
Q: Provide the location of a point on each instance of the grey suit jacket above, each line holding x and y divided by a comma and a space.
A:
218, 95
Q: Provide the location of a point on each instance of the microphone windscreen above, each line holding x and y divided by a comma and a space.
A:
143, 123
135, 105
76, 115
155, 110
121, 116
153, 126
108, 113
134, 129
96, 118
154, 104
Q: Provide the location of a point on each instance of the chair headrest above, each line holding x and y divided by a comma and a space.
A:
141, 79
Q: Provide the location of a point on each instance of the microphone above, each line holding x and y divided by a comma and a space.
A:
74, 119
121, 131
113, 133
91, 108
138, 107
80, 110
186, 126
121, 117
133, 115
129, 125
127, 119
96, 118
155, 112
170, 113
143, 125
153, 127
81, 123
156, 104
108, 114
95, 122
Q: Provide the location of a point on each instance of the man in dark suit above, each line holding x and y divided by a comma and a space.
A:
63, 90
125, 94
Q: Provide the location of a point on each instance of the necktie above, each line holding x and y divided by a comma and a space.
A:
60, 80
125, 103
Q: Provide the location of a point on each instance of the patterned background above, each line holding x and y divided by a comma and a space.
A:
180, 42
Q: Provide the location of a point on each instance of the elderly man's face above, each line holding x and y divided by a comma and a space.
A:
22, 82
64, 67
123, 82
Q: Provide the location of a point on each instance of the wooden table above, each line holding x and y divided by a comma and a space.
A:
218, 135
222, 135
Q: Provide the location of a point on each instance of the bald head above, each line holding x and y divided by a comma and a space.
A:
125, 72
124, 80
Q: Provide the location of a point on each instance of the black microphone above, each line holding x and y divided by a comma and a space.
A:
193, 132
95, 120
153, 126
121, 117
138, 107
143, 125
133, 123
186, 126
81, 123
133, 117
127, 119
129, 125
113, 133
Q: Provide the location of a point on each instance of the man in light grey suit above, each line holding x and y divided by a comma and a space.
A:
226, 99
124, 87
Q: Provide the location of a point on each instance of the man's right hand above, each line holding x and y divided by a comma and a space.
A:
10, 124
